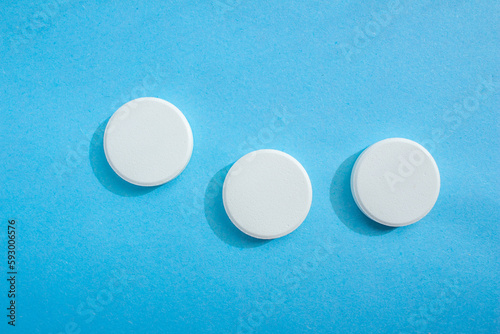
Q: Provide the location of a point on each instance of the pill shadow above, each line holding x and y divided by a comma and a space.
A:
217, 217
103, 171
345, 207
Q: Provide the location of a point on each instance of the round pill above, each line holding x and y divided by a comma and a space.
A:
395, 182
267, 194
148, 141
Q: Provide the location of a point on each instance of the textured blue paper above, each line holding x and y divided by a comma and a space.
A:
320, 80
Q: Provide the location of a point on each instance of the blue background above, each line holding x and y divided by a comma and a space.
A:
96, 255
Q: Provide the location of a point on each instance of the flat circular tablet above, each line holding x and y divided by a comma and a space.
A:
395, 182
267, 194
148, 141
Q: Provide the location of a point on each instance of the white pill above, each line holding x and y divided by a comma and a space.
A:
148, 141
395, 182
267, 194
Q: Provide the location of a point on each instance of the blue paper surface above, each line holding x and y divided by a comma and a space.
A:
320, 80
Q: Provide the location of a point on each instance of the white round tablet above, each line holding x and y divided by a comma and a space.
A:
267, 194
148, 141
395, 182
